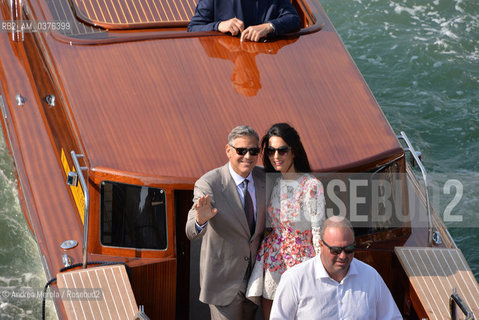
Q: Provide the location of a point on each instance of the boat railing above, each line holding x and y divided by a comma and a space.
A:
456, 300
416, 156
16, 14
86, 194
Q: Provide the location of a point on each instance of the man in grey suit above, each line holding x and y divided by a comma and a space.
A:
229, 214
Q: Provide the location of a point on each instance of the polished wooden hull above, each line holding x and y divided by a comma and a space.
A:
153, 108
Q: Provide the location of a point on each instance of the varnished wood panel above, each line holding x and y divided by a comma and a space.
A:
57, 123
171, 103
322, 94
154, 286
108, 290
115, 14
434, 273
45, 199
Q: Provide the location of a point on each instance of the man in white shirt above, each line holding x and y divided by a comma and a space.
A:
334, 285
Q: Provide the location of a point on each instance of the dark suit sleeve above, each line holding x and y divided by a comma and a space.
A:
203, 20
283, 16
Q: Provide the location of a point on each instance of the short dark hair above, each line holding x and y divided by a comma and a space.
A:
291, 137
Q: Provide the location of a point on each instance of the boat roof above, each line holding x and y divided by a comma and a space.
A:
163, 106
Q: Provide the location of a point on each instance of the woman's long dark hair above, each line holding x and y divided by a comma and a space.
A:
291, 137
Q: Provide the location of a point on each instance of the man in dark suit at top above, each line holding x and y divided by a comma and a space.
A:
253, 19
229, 214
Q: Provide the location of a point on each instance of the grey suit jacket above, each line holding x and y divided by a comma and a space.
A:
228, 245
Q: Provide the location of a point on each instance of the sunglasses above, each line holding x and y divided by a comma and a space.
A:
337, 250
281, 150
244, 151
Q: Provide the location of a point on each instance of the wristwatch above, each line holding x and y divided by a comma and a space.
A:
272, 26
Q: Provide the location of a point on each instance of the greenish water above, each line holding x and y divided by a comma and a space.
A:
420, 59
20, 264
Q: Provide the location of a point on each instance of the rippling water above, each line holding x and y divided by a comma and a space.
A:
421, 61
20, 264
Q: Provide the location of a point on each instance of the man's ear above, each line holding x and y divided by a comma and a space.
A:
228, 150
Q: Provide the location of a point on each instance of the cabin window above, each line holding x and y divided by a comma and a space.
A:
374, 201
132, 216
377, 200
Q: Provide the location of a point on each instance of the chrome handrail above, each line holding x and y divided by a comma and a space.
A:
414, 153
16, 15
87, 202
456, 300
2, 107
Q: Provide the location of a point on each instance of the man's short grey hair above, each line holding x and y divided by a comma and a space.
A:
240, 131
335, 222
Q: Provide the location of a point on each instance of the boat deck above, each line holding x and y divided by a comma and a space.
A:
97, 293
136, 14
434, 273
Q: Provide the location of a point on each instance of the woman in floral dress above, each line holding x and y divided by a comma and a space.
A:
295, 213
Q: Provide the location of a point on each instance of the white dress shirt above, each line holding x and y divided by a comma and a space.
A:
239, 181
307, 292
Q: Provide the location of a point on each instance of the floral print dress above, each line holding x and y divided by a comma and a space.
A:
295, 214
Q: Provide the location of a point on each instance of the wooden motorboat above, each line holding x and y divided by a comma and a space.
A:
112, 111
